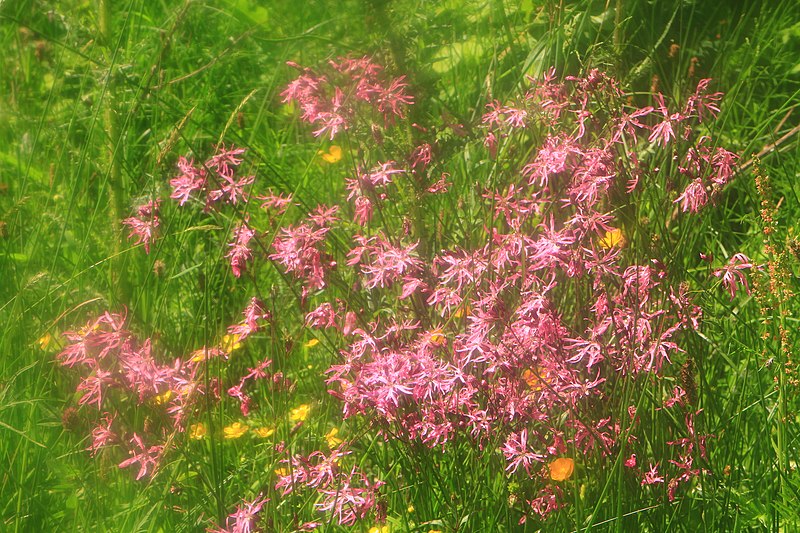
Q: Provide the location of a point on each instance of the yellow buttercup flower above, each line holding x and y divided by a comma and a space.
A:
561, 469
312, 343
333, 155
300, 413
235, 430
44, 341
332, 439
438, 338
384, 529
231, 342
197, 431
612, 238
162, 398
264, 432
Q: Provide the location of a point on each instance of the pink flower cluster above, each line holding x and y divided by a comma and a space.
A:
115, 366
118, 371
348, 89
348, 495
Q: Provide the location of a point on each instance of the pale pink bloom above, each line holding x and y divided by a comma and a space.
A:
722, 164
94, 386
322, 317
362, 212
630, 462
441, 186
732, 274
225, 160
627, 124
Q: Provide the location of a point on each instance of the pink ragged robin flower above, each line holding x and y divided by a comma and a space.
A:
143, 226
190, 180
148, 457
732, 274
651, 477
244, 518
694, 197
240, 253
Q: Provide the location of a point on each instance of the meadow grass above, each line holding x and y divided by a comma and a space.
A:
99, 100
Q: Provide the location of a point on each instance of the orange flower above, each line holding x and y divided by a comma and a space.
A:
333, 155
561, 469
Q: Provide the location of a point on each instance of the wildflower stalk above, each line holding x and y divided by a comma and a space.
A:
116, 192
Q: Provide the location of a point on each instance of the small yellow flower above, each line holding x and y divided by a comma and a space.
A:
311, 343
410, 509
197, 431
44, 341
561, 469
333, 155
612, 238
235, 430
264, 432
438, 338
300, 413
332, 439
231, 342
282, 472
384, 529
162, 398
435, 531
